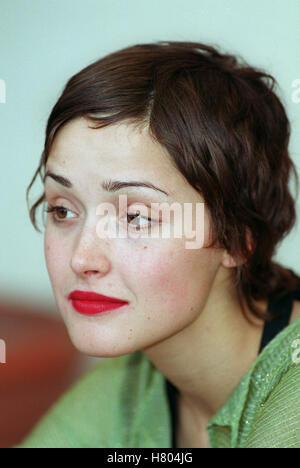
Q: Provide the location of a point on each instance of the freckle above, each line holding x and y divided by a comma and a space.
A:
145, 246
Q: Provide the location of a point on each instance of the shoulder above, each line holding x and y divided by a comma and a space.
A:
275, 419
93, 409
275, 376
277, 424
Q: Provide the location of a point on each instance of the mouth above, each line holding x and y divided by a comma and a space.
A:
90, 303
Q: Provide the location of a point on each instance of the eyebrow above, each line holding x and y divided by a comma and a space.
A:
107, 185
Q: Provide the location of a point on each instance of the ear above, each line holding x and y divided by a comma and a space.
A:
229, 261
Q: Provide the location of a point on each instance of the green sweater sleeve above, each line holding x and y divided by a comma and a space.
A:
85, 415
121, 403
277, 424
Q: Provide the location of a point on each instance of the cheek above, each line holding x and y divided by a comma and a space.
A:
158, 275
55, 255
172, 278
165, 282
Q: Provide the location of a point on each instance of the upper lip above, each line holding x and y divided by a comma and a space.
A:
92, 296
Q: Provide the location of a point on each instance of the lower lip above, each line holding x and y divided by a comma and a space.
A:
95, 308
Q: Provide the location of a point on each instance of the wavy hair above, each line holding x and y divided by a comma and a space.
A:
226, 131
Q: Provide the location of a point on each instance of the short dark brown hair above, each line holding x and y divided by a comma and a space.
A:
226, 131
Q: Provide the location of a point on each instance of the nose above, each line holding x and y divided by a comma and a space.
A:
89, 256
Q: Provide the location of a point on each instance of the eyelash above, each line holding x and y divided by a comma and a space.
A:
51, 209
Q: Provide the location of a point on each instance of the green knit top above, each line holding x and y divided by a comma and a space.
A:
123, 402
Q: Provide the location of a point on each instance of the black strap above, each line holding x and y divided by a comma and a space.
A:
172, 393
280, 311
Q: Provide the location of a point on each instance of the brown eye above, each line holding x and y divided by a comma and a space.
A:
136, 216
58, 213
61, 212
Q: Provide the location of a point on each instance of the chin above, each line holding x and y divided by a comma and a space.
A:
100, 349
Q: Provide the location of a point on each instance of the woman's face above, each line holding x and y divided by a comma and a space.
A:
165, 283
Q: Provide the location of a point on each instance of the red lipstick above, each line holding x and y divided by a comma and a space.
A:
90, 303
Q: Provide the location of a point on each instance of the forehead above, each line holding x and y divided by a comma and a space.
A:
118, 150
120, 142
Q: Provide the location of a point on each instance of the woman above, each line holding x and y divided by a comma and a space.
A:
202, 343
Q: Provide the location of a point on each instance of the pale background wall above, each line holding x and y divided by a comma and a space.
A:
44, 42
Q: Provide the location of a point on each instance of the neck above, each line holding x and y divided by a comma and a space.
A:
206, 360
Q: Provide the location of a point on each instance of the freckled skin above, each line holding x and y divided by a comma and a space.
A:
183, 311
166, 284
